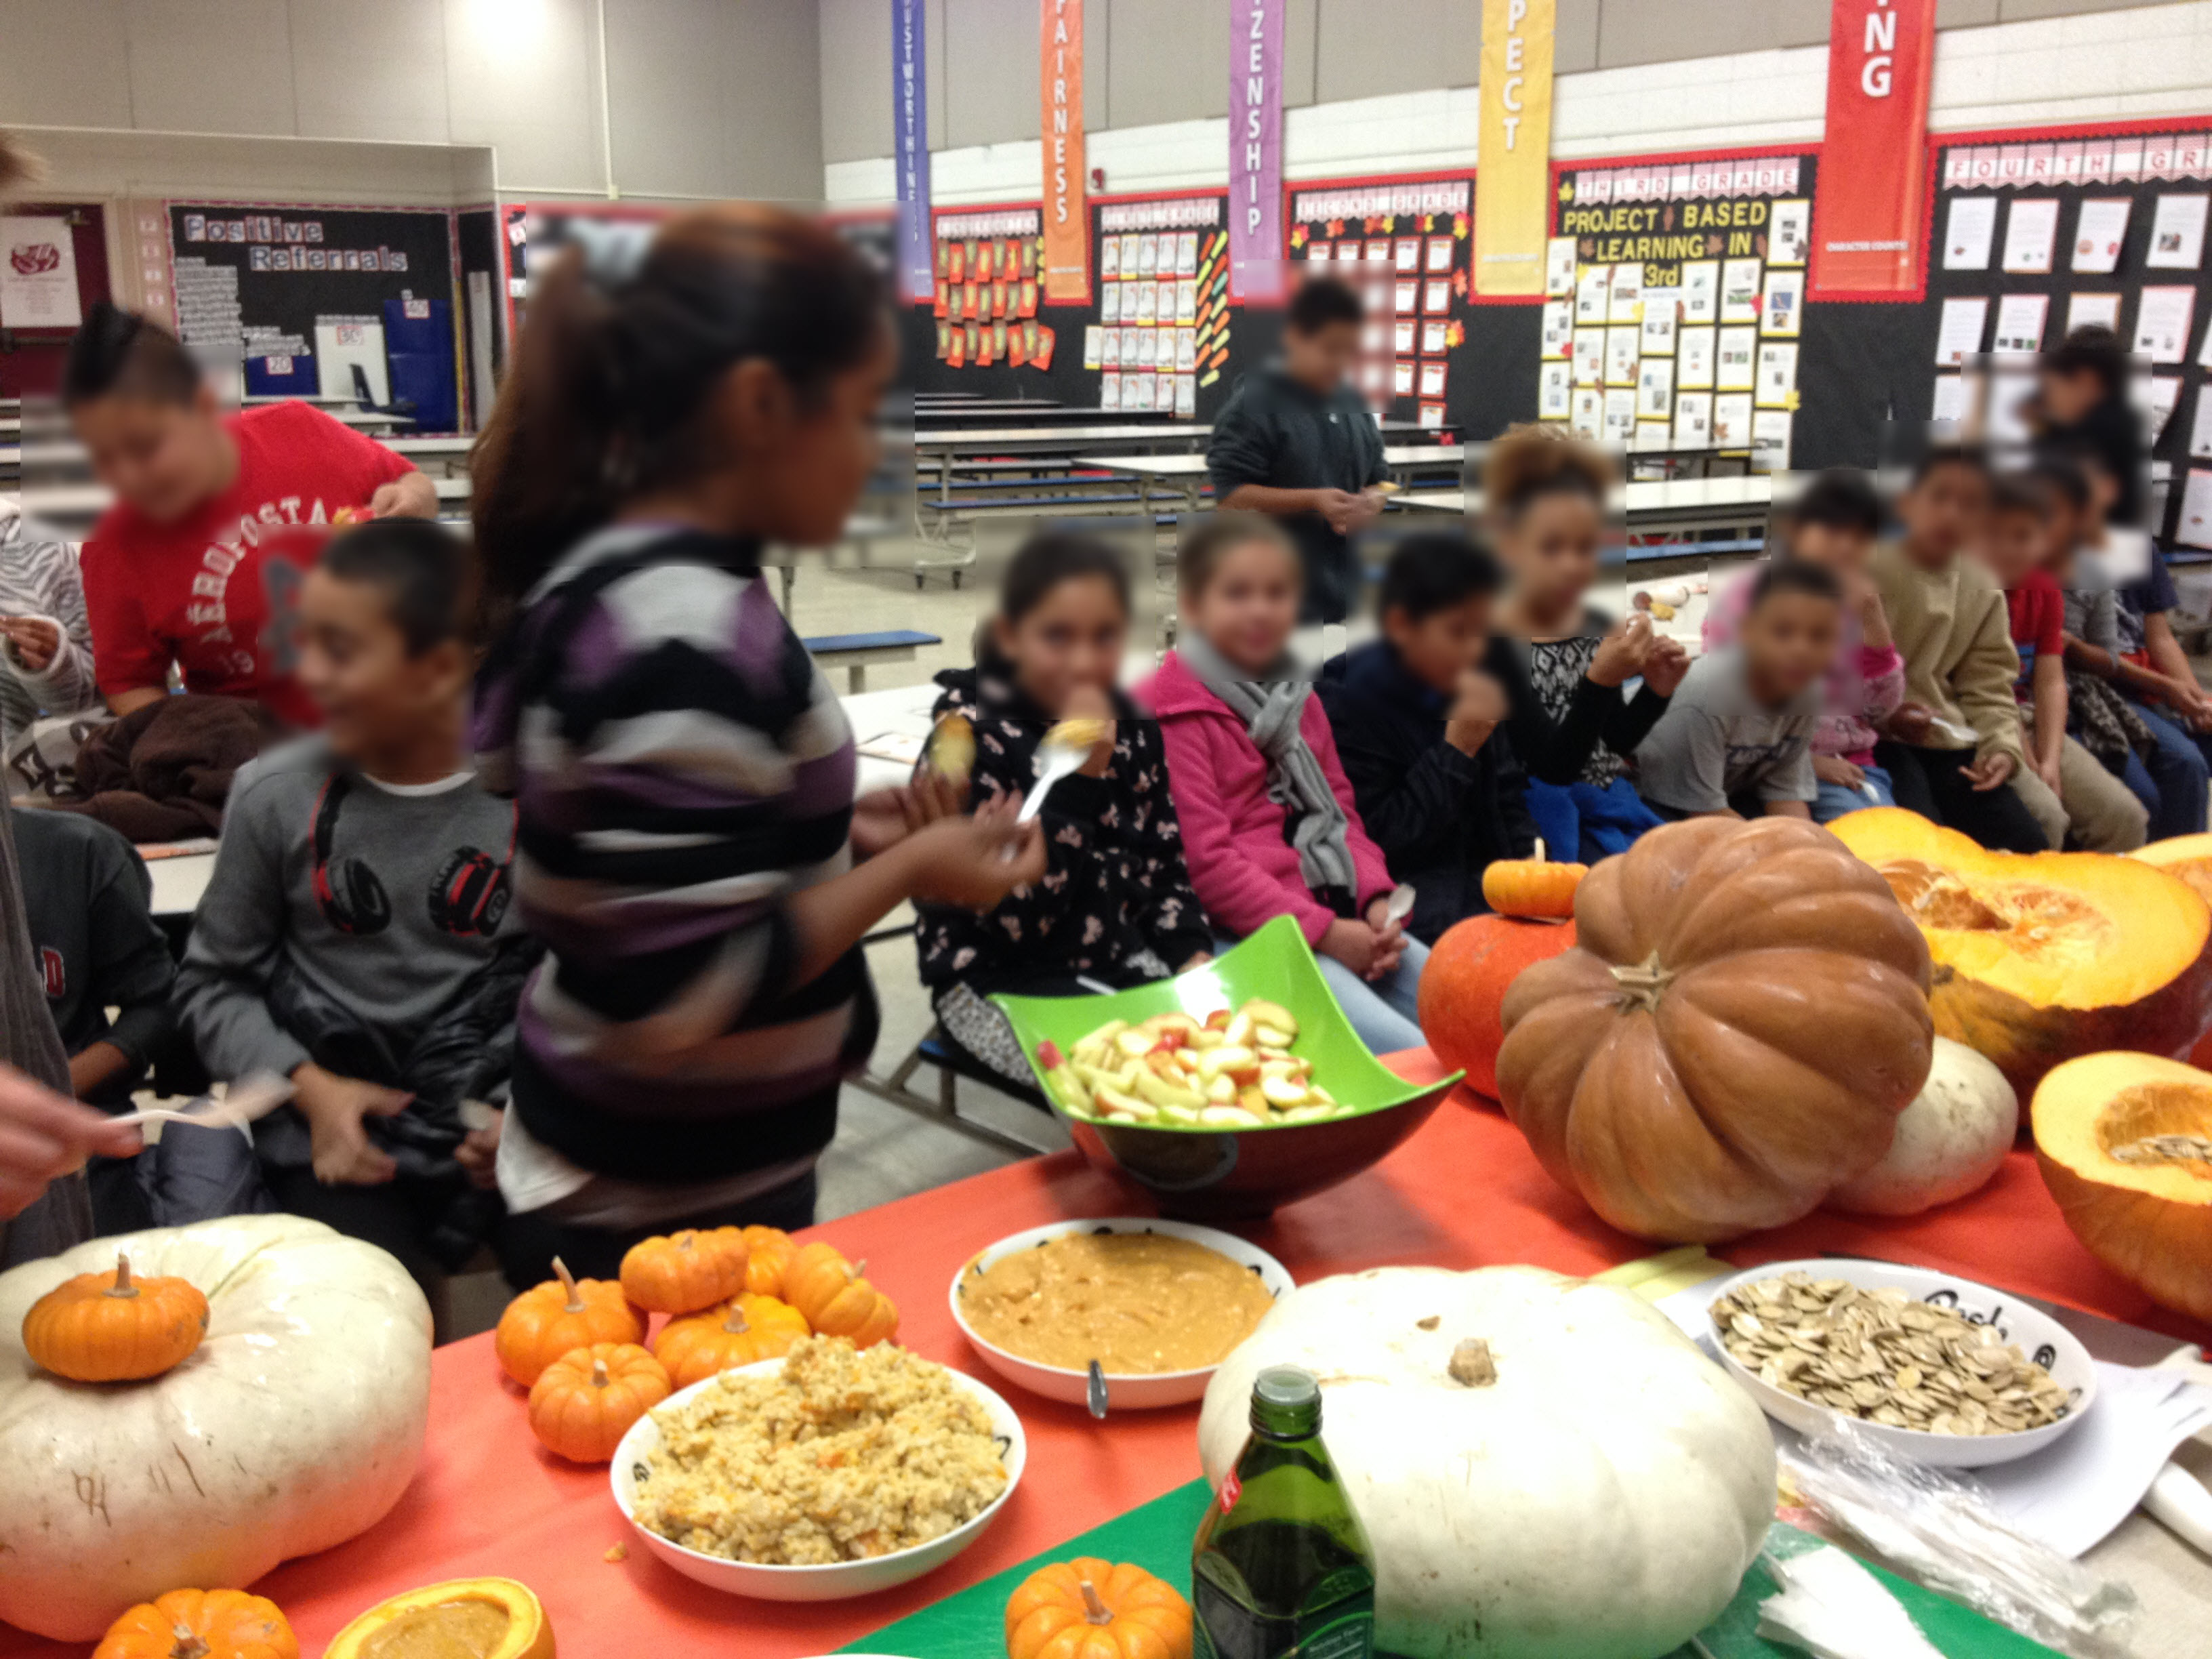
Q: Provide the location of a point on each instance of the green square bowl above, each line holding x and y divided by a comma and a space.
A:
1214, 1174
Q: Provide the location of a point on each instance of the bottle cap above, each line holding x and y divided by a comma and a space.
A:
1286, 1386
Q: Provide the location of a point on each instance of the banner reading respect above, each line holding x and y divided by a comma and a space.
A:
1512, 185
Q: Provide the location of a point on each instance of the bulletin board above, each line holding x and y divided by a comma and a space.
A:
2035, 231
283, 283
1433, 353
989, 296
1674, 313
538, 230
1164, 328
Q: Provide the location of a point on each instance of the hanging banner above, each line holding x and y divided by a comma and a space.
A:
1066, 223
910, 130
1870, 222
1255, 150
1512, 186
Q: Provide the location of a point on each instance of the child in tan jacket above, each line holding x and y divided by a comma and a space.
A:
1952, 748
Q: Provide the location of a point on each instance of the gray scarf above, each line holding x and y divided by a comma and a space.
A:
1270, 709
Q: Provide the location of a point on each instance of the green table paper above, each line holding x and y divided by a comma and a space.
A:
1157, 1537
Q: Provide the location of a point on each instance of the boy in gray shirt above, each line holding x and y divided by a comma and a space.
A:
1736, 740
355, 934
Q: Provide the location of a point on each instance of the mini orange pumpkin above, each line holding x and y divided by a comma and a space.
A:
835, 1300
742, 1331
769, 1253
686, 1271
190, 1624
1093, 1609
549, 1319
111, 1327
1532, 887
583, 1403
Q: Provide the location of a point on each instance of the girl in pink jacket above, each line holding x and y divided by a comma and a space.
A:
1268, 823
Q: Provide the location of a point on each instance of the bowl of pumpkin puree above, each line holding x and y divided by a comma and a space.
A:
1157, 1304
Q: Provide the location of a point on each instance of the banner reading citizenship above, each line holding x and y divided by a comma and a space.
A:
1869, 223
1255, 150
911, 127
1067, 225
1512, 186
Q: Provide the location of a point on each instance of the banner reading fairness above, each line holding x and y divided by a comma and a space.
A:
911, 127
1512, 185
1255, 150
1066, 263
1869, 223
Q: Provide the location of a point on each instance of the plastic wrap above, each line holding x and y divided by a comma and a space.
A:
1937, 1528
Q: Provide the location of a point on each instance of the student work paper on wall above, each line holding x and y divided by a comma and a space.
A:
1969, 230
2031, 234
1959, 331
2176, 234
38, 273
2195, 527
2101, 231
2162, 323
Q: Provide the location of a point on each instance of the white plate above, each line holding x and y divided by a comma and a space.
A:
838, 1580
2038, 1335
1128, 1392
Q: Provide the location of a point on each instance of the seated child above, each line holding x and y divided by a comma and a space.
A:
1952, 746
1270, 826
46, 643
1562, 664
88, 901
356, 936
1418, 726
2064, 786
1116, 907
1833, 524
1737, 738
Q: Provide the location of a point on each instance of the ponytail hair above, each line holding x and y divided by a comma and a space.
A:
623, 344
1529, 462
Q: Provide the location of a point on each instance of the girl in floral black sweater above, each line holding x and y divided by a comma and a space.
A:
1115, 907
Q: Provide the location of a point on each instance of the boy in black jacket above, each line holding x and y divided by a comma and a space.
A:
1419, 727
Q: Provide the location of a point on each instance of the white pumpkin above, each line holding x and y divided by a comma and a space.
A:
1600, 1498
1948, 1143
296, 1425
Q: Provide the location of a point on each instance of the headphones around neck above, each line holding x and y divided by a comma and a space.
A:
469, 895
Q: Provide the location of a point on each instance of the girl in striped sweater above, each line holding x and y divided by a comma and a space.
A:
688, 846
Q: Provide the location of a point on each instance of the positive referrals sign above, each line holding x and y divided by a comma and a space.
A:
1867, 218
1255, 150
910, 128
1066, 223
1512, 186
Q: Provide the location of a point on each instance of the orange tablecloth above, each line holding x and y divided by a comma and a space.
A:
1464, 1193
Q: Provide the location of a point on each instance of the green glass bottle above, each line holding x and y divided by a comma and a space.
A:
1281, 1568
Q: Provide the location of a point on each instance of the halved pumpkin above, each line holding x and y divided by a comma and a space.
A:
2042, 957
462, 1618
2124, 1141
2188, 858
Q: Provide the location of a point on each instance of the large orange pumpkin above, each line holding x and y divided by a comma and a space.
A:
2187, 859
190, 1624
2042, 958
2124, 1141
564, 1313
1463, 989
113, 1327
1734, 1036
1091, 1609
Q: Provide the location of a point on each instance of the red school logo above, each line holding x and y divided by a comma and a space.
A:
35, 259
54, 971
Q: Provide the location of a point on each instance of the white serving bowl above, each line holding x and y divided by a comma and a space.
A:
2038, 1335
1124, 1391
838, 1580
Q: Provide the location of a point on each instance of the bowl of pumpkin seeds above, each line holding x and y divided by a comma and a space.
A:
1939, 1370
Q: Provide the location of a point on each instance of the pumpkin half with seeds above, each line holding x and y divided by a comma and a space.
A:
2125, 1144
2187, 859
2041, 957
1743, 1017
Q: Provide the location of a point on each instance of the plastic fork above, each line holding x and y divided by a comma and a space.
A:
241, 1104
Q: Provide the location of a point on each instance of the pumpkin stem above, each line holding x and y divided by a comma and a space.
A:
123, 1286
1644, 984
1540, 849
856, 1269
600, 1377
735, 1324
569, 1284
1471, 1365
2166, 1149
1095, 1610
189, 1645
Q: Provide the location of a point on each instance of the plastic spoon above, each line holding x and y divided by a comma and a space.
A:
1401, 903
1055, 760
242, 1104
1097, 1391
